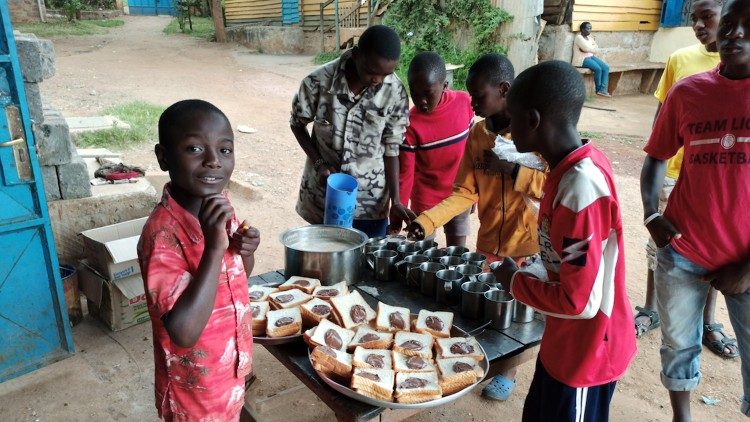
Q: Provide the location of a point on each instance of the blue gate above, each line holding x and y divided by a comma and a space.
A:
33, 320
151, 7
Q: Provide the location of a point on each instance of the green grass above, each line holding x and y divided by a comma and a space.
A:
142, 118
326, 56
56, 29
202, 28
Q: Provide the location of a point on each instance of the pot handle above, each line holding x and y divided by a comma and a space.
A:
370, 258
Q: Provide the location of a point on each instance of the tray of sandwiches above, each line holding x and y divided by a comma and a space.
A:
391, 358
280, 312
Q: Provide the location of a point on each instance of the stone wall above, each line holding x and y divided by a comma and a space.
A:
271, 39
556, 43
64, 173
25, 10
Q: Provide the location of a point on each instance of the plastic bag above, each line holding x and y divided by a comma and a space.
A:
506, 150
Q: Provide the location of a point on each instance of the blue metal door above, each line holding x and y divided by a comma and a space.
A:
151, 7
33, 319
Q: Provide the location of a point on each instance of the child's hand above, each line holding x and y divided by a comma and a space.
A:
214, 213
504, 273
323, 174
731, 280
245, 240
416, 231
662, 231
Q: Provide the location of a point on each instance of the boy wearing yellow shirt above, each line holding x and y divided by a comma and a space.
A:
682, 63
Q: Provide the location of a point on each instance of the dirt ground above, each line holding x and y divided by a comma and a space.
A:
110, 376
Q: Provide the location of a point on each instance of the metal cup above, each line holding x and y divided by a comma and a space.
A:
498, 308
382, 262
471, 272
374, 244
423, 245
451, 262
522, 312
393, 241
489, 278
474, 258
495, 265
428, 277
472, 299
406, 249
456, 250
448, 285
434, 254
409, 268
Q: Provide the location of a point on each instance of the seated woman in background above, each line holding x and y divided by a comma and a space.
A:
583, 56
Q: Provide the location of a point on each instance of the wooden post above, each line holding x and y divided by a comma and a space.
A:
336, 22
322, 36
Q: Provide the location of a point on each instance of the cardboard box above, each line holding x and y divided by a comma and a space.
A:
112, 250
119, 304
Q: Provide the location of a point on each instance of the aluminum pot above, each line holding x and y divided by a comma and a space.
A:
331, 254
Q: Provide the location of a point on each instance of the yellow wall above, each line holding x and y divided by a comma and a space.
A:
238, 10
618, 15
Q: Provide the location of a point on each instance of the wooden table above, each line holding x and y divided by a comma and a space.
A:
505, 349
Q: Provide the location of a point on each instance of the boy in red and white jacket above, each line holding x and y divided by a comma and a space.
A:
435, 141
588, 341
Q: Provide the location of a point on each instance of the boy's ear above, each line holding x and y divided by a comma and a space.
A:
504, 87
161, 157
535, 119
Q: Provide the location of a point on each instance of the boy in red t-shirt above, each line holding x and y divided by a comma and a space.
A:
435, 139
702, 236
588, 341
195, 257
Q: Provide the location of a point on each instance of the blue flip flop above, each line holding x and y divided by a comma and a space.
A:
500, 388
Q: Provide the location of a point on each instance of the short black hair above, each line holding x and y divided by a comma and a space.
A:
381, 40
584, 23
495, 67
554, 88
428, 63
175, 116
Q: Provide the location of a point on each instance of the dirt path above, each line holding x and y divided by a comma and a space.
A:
110, 376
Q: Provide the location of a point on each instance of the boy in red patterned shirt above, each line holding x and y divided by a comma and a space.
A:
195, 257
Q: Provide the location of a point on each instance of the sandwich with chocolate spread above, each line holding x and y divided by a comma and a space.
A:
372, 358
413, 344
260, 293
258, 311
458, 373
406, 363
417, 387
438, 324
315, 311
306, 284
392, 318
329, 292
331, 335
368, 338
288, 299
283, 322
375, 383
334, 363
351, 310
459, 347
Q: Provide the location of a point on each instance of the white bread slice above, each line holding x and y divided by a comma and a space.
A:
368, 338
288, 299
307, 337
372, 358
314, 311
392, 318
417, 387
352, 310
306, 284
259, 311
406, 363
284, 322
331, 362
331, 335
438, 324
459, 347
375, 383
328, 292
458, 373
413, 344
260, 293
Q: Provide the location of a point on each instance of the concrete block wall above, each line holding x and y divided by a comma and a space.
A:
64, 173
269, 39
556, 43
26, 10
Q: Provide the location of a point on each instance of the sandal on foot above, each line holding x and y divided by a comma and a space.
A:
641, 328
721, 345
500, 388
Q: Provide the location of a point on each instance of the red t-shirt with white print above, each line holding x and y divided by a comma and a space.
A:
709, 115
588, 337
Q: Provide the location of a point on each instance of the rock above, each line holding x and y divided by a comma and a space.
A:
36, 56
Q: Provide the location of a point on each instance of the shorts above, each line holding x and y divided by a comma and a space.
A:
550, 400
666, 190
459, 225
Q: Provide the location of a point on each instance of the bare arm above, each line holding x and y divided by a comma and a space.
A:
392, 182
311, 150
190, 313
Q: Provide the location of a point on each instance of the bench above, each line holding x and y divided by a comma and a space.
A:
649, 74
